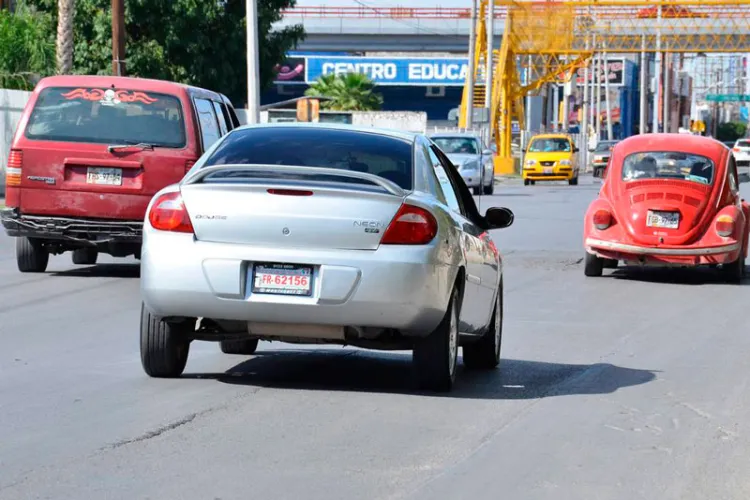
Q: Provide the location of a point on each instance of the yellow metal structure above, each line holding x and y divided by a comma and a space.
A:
550, 39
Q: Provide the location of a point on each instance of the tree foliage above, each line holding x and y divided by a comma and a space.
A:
731, 131
27, 47
200, 42
346, 92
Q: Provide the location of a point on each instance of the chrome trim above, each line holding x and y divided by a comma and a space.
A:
622, 247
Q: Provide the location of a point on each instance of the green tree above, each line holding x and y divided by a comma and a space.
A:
346, 92
731, 131
27, 47
200, 43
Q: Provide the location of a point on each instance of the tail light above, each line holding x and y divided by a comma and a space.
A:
724, 226
168, 213
13, 170
188, 165
411, 226
290, 192
736, 149
602, 219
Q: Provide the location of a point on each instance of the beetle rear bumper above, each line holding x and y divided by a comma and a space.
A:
686, 255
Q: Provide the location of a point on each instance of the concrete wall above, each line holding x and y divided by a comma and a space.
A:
12, 103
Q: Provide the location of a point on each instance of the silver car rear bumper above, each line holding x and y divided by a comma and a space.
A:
400, 287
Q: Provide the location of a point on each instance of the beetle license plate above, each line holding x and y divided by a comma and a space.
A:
282, 279
668, 220
105, 176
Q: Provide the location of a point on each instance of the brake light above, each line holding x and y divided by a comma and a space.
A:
410, 226
168, 213
602, 219
13, 169
736, 149
724, 226
290, 192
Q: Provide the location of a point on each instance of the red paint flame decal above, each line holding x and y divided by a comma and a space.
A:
99, 95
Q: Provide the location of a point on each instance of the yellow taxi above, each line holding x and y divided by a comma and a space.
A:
550, 157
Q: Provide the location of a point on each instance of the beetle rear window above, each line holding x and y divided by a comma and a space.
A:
668, 165
107, 116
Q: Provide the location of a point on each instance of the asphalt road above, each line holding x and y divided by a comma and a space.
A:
626, 387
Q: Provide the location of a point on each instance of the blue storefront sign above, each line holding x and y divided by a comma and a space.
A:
381, 70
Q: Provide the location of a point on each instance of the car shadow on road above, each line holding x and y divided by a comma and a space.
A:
368, 371
676, 276
103, 271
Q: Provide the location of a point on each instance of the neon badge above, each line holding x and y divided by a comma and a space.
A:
109, 97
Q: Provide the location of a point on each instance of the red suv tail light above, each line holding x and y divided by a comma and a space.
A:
724, 226
168, 213
411, 226
188, 165
13, 169
602, 219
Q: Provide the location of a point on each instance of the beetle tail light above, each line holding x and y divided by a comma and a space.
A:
602, 219
724, 226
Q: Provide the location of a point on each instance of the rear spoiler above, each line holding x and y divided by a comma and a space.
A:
389, 186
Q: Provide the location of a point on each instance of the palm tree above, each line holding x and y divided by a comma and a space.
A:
65, 16
346, 92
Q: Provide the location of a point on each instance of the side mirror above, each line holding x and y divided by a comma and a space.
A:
575, 150
499, 217
487, 152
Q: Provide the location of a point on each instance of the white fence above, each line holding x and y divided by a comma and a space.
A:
12, 103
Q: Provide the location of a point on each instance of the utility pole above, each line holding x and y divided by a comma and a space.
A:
606, 93
642, 122
472, 55
118, 37
667, 92
253, 62
657, 73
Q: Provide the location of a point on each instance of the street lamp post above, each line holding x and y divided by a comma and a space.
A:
253, 62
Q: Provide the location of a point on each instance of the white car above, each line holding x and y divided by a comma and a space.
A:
332, 234
474, 161
741, 152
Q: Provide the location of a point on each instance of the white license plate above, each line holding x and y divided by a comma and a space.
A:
668, 220
104, 176
282, 279
547, 170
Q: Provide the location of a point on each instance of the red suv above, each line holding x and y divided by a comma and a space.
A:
91, 151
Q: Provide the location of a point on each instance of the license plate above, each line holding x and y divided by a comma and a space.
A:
547, 170
663, 219
104, 176
282, 279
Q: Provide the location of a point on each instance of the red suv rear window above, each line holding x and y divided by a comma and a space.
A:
107, 116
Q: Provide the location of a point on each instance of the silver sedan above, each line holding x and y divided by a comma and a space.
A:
309, 233
474, 161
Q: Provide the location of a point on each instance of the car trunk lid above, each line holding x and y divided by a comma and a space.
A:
292, 207
652, 207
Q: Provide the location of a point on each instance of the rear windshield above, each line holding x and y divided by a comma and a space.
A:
668, 165
460, 145
387, 157
550, 145
107, 116
743, 144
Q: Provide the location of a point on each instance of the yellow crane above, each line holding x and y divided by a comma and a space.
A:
555, 37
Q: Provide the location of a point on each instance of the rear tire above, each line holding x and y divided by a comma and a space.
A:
164, 346
593, 265
526, 182
477, 190
484, 354
488, 190
573, 181
85, 256
435, 357
244, 347
735, 271
31, 256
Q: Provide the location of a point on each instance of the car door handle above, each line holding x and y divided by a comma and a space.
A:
473, 279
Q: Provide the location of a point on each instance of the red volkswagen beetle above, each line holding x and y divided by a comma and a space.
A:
668, 200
